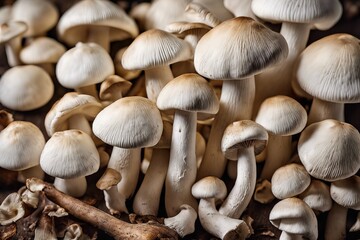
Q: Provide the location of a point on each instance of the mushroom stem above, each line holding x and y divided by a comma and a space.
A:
114, 227
182, 164
89, 90
75, 187
13, 48
356, 226
147, 199
279, 151
79, 121
288, 236
99, 35
184, 222
155, 79
115, 201
335, 227
321, 110
35, 171
243, 189
296, 36
236, 103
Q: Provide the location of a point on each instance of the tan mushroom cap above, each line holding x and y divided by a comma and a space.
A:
110, 178
282, 115
209, 187
238, 57
21, 145
11, 29
243, 134
129, 122
85, 64
346, 192
70, 154
39, 15
329, 150
74, 24
42, 50
328, 69
25, 88
155, 48
113, 86
11, 209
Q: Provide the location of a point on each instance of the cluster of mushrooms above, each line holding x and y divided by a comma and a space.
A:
215, 92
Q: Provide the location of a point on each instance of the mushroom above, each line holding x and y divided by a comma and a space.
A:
96, 21
113, 88
236, 36
327, 70
21, 145
240, 8
75, 232
120, 70
241, 141
25, 88
335, 156
216, 7
11, 209
138, 13
78, 158
184, 222
294, 217
5, 119
187, 95
195, 12
83, 66
317, 196
210, 190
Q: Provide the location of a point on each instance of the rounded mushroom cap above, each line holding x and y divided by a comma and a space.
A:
289, 181
112, 86
243, 134
25, 88
70, 154
329, 150
238, 57
188, 92
39, 15
85, 64
42, 50
11, 29
328, 69
130, 122
74, 23
346, 192
155, 48
317, 196
72, 103
294, 216
21, 146
324, 13
209, 187
282, 115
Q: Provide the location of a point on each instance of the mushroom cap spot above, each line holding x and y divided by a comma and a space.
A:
130, 122
209, 187
238, 48
329, 150
70, 154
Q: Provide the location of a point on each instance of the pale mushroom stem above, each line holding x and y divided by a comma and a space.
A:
89, 90
236, 103
155, 79
114, 201
184, 222
321, 110
335, 227
99, 35
181, 173
75, 187
287, 236
13, 48
35, 171
243, 189
147, 199
279, 151
79, 121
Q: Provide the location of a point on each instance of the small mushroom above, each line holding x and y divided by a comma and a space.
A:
11, 209
113, 88
120, 70
184, 222
317, 196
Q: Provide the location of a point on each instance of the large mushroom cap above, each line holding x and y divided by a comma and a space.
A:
346, 192
129, 122
11, 29
329, 150
238, 48
243, 134
209, 187
328, 69
70, 154
75, 22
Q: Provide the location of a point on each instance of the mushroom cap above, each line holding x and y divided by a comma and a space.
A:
155, 48
289, 180
72, 103
239, 56
70, 154
182, 29
42, 50
282, 115
39, 15
346, 192
323, 13
329, 150
21, 145
120, 70
188, 92
216, 7
328, 69
112, 85
11, 29
317, 196
130, 122
25, 88
11, 209
74, 24
243, 134
5, 13
294, 216
110, 178
85, 64
209, 187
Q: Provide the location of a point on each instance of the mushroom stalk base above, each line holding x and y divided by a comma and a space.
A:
321, 110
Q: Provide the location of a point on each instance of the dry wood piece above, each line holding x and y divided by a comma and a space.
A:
114, 227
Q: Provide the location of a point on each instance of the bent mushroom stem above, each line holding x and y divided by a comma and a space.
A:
114, 227
335, 227
321, 110
155, 79
115, 201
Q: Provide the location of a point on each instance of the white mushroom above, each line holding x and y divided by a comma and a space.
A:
184, 222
